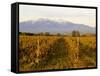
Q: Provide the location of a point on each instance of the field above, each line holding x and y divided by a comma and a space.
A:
56, 52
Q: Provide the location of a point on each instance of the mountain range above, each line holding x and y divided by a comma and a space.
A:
51, 26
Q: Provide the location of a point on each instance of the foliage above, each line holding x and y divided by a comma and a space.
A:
75, 33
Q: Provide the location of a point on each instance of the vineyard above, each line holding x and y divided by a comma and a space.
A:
56, 52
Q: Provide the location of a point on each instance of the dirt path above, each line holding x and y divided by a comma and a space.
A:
57, 55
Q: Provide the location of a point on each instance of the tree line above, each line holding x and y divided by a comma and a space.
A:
74, 33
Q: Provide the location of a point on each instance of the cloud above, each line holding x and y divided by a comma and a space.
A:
76, 15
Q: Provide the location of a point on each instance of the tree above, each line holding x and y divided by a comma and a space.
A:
47, 33
75, 33
78, 33
41, 34
58, 34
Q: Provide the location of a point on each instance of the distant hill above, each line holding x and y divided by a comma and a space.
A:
46, 25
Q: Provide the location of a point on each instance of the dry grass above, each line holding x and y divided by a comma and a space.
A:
56, 52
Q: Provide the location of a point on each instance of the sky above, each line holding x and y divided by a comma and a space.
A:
75, 15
